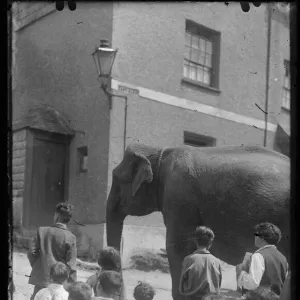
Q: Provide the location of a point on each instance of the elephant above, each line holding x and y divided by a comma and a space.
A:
227, 188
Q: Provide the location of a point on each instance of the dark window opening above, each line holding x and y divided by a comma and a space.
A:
197, 140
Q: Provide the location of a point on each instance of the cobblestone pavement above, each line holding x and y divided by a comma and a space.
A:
161, 282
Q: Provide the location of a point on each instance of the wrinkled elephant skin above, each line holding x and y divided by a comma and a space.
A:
229, 189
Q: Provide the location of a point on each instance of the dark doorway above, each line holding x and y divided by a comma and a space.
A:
46, 182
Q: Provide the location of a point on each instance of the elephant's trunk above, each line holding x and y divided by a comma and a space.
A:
114, 227
114, 219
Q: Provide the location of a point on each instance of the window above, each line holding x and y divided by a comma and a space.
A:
82, 159
286, 92
201, 58
197, 140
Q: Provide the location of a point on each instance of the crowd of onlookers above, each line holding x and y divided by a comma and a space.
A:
263, 275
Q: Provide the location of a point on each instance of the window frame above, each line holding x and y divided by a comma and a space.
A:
197, 140
215, 37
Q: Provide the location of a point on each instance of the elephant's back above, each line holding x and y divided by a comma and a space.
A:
226, 151
249, 160
234, 172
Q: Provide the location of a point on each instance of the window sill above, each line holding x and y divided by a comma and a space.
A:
201, 85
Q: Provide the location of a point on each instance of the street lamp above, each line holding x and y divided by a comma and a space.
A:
104, 58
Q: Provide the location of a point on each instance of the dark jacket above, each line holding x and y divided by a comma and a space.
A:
276, 268
52, 244
201, 274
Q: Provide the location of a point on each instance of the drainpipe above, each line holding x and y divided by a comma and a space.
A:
125, 122
269, 26
111, 94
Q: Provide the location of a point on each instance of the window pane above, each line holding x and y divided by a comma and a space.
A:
208, 60
194, 55
287, 70
208, 47
192, 72
206, 78
200, 74
202, 43
195, 41
187, 53
188, 38
186, 70
201, 58
286, 99
287, 82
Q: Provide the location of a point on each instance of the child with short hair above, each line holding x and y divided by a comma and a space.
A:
143, 291
109, 285
109, 260
80, 291
201, 271
59, 274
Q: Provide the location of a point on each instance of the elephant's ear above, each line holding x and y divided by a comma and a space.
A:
143, 173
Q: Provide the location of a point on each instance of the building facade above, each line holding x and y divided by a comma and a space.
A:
202, 74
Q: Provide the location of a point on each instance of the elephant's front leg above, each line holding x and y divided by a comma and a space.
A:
179, 245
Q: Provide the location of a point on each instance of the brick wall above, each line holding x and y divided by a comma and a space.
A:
18, 173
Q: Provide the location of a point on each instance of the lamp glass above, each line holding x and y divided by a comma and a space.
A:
104, 58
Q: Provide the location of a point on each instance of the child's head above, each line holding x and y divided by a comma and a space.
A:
268, 232
80, 291
143, 291
109, 283
261, 293
204, 236
59, 273
110, 259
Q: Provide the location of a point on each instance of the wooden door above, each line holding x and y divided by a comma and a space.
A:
47, 180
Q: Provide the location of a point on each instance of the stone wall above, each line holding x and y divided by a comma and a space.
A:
18, 174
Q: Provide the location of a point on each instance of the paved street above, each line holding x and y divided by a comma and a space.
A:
160, 281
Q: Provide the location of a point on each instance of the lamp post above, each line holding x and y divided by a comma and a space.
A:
104, 58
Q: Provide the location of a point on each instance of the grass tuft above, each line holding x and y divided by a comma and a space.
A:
147, 261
